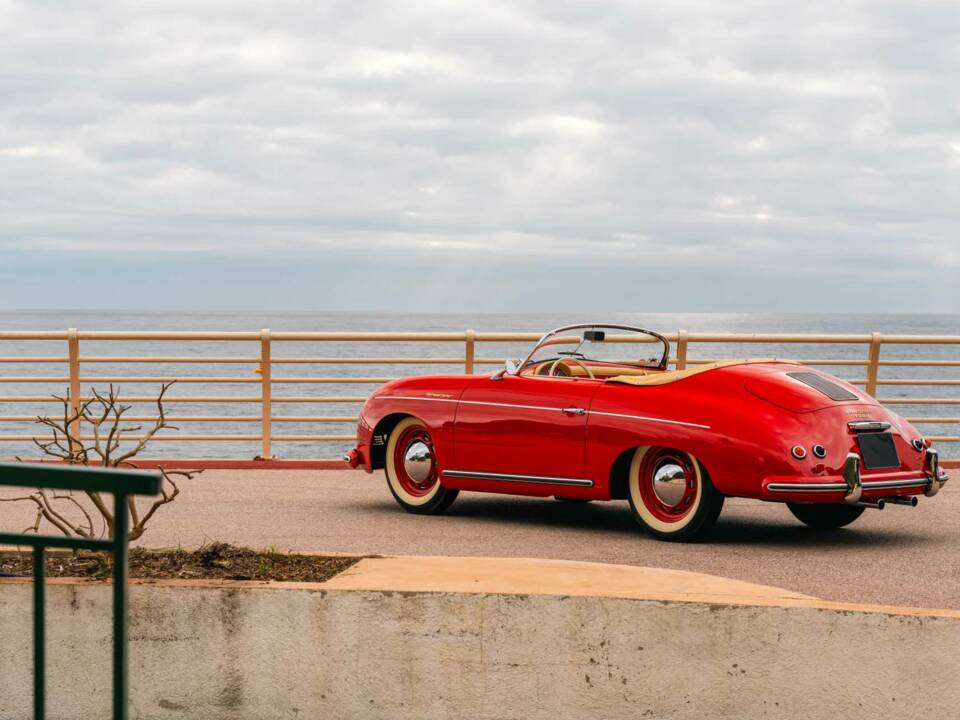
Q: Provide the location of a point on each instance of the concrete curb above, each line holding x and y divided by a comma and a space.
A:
417, 574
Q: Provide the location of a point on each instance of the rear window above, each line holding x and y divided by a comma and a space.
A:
818, 382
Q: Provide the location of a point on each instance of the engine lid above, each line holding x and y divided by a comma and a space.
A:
803, 391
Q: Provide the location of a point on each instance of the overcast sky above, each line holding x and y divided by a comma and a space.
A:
480, 156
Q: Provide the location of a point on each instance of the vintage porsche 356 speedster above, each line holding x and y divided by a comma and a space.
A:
584, 417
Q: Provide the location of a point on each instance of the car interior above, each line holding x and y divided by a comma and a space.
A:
595, 355
598, 355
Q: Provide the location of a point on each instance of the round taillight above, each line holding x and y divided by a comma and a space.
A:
799, 452
919, 444
819, 451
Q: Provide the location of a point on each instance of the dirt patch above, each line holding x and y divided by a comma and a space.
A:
214, 561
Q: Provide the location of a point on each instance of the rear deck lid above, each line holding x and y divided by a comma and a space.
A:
804, 390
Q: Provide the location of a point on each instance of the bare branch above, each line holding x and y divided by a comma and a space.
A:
159, 425
104, 413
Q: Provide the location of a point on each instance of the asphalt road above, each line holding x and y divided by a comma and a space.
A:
898, 556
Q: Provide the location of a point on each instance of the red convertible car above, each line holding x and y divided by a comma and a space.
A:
594, 413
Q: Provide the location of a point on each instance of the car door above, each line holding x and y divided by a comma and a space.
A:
532, 429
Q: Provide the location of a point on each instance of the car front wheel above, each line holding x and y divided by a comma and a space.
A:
671, 494
413, 469
825, 517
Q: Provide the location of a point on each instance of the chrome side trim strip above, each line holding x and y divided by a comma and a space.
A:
507, 477
414, 397
541, 407
468, 402
842, 487
510, 405
650, 419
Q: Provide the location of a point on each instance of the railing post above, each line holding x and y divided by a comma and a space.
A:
469, 351
73, 358
266, 397
873, 363
682, 350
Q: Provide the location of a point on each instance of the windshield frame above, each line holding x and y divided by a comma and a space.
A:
545, 340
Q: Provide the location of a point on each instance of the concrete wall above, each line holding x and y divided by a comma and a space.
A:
263, 653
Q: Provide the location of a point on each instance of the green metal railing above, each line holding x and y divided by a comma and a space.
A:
121, 484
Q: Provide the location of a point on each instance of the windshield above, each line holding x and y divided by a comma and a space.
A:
596, 346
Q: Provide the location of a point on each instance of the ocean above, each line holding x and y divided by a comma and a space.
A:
340, 321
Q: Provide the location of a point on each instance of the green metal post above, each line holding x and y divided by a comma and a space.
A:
120, 677
123, 484
39, 639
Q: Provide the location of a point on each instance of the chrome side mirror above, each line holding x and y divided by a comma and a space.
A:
510, 367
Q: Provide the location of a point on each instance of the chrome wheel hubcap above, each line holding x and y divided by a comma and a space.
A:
670, 483
418, 461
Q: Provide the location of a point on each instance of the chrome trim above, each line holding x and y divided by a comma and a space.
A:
508, 477
418, 461
858, 426
573, 411
510, 405
851, 477
650, 419
540, 407
805, 487
932, 463
583, 326
670, 483
909, 501
918, 444
840, 487
893, 484
413, 397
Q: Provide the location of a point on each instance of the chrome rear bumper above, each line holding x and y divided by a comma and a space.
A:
853, 486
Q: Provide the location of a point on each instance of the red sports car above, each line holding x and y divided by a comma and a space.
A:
593, 413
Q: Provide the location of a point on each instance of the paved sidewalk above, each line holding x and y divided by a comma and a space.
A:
900, 556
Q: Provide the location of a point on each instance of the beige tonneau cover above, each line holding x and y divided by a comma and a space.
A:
665, 378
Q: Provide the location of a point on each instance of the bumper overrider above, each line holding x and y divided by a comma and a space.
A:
851, 486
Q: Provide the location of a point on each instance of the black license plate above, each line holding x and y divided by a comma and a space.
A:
879, 451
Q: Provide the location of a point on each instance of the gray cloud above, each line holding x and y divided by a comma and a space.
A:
772, 138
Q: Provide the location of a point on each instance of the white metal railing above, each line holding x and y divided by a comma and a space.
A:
78, 373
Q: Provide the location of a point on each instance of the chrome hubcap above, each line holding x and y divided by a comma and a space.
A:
418, 461
670, 483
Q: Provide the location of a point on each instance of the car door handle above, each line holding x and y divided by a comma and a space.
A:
573, 411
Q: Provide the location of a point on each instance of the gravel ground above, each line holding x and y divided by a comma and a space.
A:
899, 556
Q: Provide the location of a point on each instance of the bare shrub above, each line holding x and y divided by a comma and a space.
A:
73, 513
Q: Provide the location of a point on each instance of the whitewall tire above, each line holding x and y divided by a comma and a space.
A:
412, 467
671, 494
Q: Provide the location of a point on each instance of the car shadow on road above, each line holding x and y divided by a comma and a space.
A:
784, 535
771, 530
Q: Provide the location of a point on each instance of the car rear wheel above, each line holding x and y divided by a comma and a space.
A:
825, 517
413, 470
671, 494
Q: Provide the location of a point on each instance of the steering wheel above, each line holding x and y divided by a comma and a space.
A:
558, 363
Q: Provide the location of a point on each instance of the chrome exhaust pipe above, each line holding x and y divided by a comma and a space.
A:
911, 500
878, 504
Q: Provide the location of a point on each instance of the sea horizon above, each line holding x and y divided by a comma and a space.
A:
353, 321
